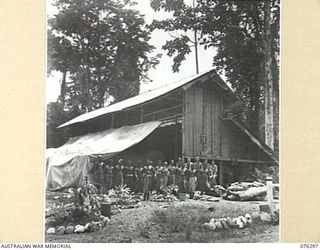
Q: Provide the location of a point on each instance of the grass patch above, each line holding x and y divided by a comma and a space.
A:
187, 219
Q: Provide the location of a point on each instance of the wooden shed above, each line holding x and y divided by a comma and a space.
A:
195, 121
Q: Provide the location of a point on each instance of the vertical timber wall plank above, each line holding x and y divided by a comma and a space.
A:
217, 105
183, 123
198, 120
221, 109
216, 123
227, 140
207, 121
212, 139
188, 125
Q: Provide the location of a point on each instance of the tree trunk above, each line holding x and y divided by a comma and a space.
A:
63, 88
261, 109
101, 87
268, 86
87, 88
276, 103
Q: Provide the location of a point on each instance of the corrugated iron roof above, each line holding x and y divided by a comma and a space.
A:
142, 98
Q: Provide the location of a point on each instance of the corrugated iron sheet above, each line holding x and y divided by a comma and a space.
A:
136, 100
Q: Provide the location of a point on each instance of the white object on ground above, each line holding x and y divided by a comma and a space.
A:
51, 230
79, 229
239, 223
212, 221
88, 227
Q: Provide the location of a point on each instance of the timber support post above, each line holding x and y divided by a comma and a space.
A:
270, 193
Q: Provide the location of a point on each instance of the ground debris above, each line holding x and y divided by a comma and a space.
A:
146, 234
126, 240
163, 198
203, 197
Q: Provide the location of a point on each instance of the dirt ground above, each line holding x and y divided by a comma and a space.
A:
136, 226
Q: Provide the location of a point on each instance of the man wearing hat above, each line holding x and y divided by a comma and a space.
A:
108, 174
147, 176
130, 176
172, 173
139, 180
118, 173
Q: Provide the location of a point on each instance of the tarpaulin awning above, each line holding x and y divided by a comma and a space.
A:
66, 165
103, 143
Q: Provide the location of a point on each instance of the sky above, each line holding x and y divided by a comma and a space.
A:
162, 74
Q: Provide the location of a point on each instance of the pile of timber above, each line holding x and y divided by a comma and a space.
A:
246, 191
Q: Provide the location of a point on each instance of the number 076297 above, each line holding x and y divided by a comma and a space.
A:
309, 246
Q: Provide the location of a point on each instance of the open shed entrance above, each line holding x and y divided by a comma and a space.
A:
165, 143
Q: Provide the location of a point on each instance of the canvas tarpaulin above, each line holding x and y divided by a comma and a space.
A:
67, 165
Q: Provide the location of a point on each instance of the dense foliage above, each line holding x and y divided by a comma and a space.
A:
102, 50
237, 29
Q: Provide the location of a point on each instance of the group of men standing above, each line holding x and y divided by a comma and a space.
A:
144, 178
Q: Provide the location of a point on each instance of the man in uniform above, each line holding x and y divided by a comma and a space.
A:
100, 173
197, 164
202, 179
125, 169
95, 174
157, 177
139, 180
179, 177
172, 173
187, 173
118, 173
210, 173
214, 172
108, 175
192, 181
130, 176
206, 164
179, 163
165, 174
147, 179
